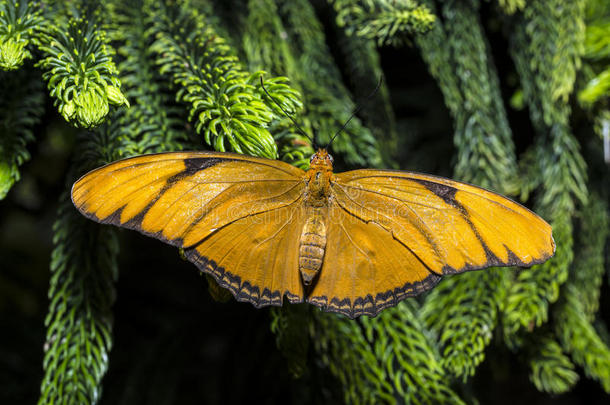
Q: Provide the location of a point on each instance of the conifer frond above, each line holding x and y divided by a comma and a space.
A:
596, 89
579, 338
463, 311
554, 45
587, 272
79, 70
385, 21
529, 296
457, 57
154, 123
597, 41
595, 92
225, 101
19, 21
291, 324
21, 105
550, 369
364, 72
327, 100
486, 152
265, 40
265, 44
81, 292
512, 6
389, 359
546, 65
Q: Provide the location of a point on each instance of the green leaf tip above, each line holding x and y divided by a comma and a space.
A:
6, 179
80, 72
13, 52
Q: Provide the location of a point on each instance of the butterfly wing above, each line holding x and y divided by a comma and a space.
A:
226, 210
401, 231
256, 257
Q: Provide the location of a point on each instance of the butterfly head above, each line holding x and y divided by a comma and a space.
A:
321, 160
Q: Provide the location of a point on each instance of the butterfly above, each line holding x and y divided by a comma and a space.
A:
353, 243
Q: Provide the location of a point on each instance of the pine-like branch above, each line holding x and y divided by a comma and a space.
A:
363, 70
587, 272
225, 101
21, 106
550, 369
579, 338
154, 123
463, 311
83, 271
20, 22
389, 359
386, 21
290, 324
79, 70
546, 47
328, 102
512, 6
265, 43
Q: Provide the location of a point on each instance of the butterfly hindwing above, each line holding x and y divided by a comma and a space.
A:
365, 268
256, 257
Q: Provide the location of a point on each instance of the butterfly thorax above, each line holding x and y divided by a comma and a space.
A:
312, 244
318, 179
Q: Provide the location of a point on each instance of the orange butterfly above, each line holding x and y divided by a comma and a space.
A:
354, 242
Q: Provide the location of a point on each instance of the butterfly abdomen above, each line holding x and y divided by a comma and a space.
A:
312, 246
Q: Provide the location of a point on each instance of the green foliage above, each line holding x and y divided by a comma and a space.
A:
593, 94
511, 6
81, 292
457, 56
187, 60
529, 297
463, 311
21, 105
387, 359
225, 101
263, 26
80, 71
153, 123
486, 154
363, 67
327, 100
552, 45
547, 66
588, 270
383, 20
79, 323
290, 324
18, 23
550, 369
579, 338
596, 89
597, 41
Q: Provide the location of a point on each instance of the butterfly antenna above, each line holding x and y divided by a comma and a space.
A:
357, 110
296, 124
